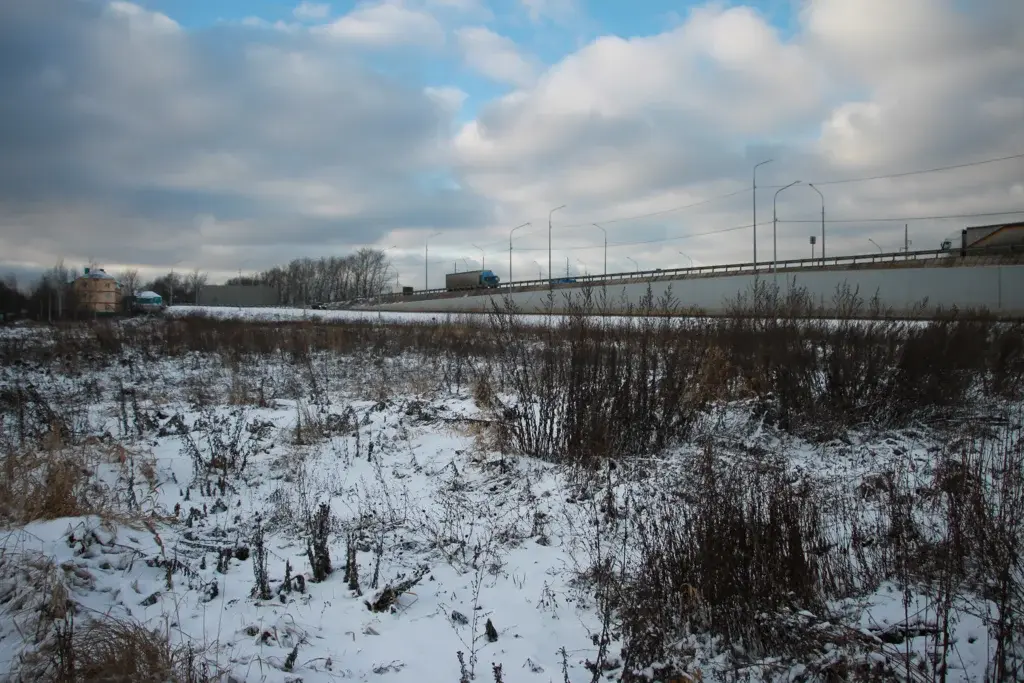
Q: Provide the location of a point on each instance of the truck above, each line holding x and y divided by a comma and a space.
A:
1007, 235
470, 279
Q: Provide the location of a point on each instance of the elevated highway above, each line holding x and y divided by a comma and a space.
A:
907, 284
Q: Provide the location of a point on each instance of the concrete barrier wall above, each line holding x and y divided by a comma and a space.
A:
999, 289
245, 296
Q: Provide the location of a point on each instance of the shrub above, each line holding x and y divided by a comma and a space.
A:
119, 651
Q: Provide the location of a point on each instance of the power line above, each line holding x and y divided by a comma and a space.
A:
652, 241
901, 219
921, 172
660, 213
765, 223
842, 181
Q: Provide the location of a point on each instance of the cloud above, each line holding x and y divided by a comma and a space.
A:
495, 56
552, 10
450, 99
464, 6
386, 24
311, 11
128, 139
119, 129
630, 127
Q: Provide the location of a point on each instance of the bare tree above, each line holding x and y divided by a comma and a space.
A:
59, 277
367, 273
195, 281
129, 279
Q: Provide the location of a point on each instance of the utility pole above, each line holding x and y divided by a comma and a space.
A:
426, 260
510, 248
822, 221
767, 161
775, 226
549, 238
906, 239
567, 266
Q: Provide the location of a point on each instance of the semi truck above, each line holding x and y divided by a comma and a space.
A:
987, 236
470, 279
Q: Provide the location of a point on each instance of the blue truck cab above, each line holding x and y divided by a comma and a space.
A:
489, 279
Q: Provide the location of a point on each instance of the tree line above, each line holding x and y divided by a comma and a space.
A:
366, 273
52, 297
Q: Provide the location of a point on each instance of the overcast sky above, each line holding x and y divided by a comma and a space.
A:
238, 134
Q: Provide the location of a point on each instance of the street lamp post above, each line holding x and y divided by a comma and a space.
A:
876, 244
605, 247
483, 257
687, 257
635, 265
811, 185
552, 211
426, 260
586, 271
775, 226
766, 161
510, 248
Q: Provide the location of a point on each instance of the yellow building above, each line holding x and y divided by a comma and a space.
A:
97, 293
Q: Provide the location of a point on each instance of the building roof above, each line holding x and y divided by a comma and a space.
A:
98, 274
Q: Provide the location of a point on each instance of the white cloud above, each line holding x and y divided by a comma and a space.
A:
450, 98
495, 56
113, 145
386, 24
312, 11
119, 127
143, 20
625, 127
468, 6
553, 10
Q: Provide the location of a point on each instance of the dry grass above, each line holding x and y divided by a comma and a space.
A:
44, 484
38, 485
119, 651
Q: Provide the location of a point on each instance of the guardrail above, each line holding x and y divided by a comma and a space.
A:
723, 269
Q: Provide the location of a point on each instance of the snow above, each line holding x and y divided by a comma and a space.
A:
369, 315
496, 536
408, 485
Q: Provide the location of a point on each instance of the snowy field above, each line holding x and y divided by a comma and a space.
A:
317, 517
284, 314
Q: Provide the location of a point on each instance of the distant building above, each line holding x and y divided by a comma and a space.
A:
243, 296
97, 293
144, 302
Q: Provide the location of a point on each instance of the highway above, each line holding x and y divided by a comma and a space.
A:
916, 283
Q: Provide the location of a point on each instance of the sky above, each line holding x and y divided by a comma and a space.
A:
233, 135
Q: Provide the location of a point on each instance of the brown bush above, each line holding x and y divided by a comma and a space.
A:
44, 485
118, 651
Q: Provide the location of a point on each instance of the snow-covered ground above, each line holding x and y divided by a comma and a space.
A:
415, 488
283, 314
298, 313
